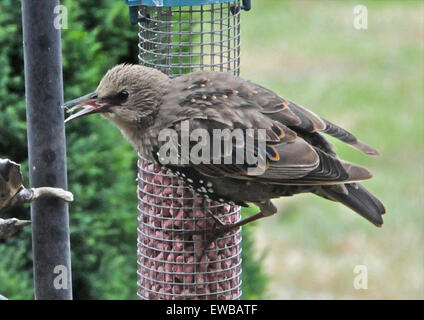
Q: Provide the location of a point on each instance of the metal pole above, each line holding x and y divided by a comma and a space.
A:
46, 147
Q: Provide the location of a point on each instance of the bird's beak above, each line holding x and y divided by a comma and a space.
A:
88, 103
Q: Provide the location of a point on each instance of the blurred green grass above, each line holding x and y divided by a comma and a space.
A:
370, 82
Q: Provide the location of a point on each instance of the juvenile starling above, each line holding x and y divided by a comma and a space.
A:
298, 159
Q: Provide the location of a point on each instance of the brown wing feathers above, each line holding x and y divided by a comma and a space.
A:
298, 156
330, 169
345, 136
292, 131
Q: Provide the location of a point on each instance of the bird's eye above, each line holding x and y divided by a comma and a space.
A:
123, 95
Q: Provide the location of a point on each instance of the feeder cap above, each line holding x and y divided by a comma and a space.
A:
133, 4
173, 3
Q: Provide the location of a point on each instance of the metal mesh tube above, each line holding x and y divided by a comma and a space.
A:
172, 264
179, 40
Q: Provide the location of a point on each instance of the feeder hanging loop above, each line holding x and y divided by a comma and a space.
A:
134, 4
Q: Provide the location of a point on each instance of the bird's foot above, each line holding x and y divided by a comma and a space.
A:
219, 232
208, 236
220, 229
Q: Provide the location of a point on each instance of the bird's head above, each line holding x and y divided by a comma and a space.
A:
127, 95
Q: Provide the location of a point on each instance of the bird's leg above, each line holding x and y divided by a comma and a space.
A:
217, 220
267, 209
209, 235
225, 228
229, 227
208, 212
219, 231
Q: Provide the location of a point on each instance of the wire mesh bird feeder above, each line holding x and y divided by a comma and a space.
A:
177, 37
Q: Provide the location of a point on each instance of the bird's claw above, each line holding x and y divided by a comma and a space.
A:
209, 235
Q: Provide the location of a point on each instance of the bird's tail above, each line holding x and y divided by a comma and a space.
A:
357, 198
